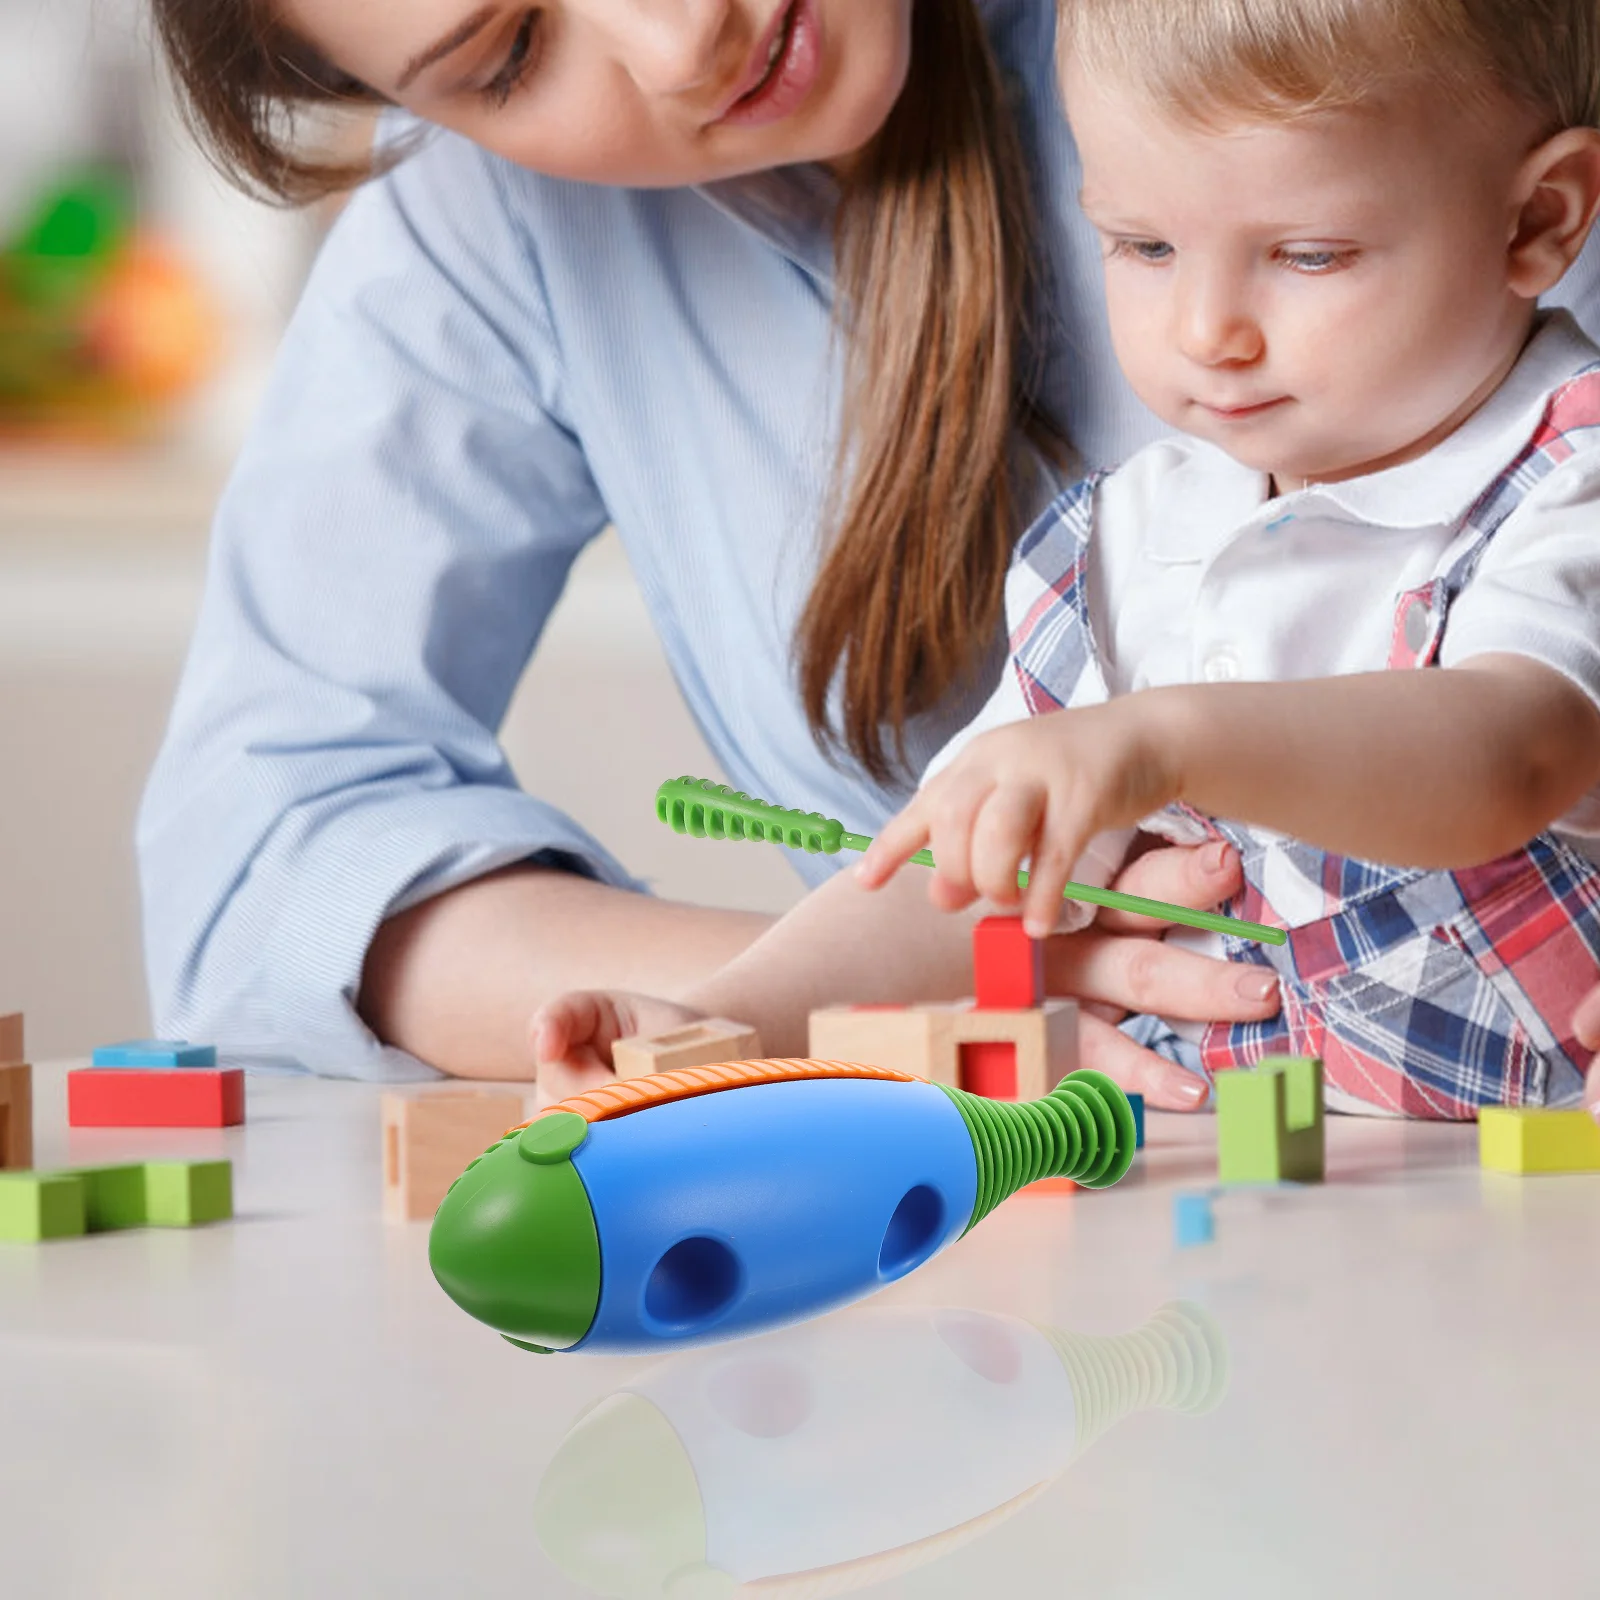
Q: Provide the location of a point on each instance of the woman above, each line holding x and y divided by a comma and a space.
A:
796, 294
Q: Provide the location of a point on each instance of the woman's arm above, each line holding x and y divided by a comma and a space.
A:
842, 944
1440, 768
455, 980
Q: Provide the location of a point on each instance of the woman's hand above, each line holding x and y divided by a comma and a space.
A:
572, 1035
1034, 791
1586, 1024
1121, 965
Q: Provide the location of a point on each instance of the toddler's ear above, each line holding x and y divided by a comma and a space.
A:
1558, 192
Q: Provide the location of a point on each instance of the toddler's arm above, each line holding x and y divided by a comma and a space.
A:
1444, 768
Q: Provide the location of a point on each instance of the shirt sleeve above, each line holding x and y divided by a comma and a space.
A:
394, 536
1536, 593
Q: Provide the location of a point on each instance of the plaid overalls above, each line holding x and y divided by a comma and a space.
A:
1424, 992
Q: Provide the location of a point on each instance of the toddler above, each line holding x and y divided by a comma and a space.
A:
1349, 619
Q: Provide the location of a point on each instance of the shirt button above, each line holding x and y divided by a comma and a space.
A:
1222, 665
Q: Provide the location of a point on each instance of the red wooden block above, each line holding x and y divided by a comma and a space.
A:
989, 1068
1007, 966
161, 1097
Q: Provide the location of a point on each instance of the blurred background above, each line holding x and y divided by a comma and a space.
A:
140, 303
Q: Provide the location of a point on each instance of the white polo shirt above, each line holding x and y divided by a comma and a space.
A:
1197, 575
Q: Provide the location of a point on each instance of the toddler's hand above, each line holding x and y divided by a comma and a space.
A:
572, 1035
1035, 792
1586, 1024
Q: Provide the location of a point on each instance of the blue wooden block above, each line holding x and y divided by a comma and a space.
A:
155, 1053
1193, 1221
1136, 1101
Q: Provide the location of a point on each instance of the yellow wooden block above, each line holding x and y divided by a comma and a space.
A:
1519, 1140
696, 1044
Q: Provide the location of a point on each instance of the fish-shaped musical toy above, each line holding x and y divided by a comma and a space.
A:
710, 1202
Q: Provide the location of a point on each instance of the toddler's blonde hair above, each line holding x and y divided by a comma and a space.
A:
1212, 60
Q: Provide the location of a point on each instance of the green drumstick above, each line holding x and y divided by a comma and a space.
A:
709, 810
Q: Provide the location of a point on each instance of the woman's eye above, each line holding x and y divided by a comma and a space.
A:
1151, 251
520, 60
1315, 262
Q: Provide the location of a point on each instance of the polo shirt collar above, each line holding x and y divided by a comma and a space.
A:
1218, 497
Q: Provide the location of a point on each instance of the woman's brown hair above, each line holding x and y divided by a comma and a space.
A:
932, 247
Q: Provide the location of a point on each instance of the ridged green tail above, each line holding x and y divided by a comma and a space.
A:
1083, 1130
708, 810
1177, 1361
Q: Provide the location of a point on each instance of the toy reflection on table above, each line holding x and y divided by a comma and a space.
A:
828, 1458
103, 327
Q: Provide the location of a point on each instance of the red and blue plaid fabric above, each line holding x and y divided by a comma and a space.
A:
1424, 992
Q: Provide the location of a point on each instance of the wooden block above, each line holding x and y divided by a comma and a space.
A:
1050, 1186
927, 1039
1525, 1140
1269, 1122
915, 1039
132, 1097
1193, 1220
11, 1050
1136, 1106
430, 1137
1007, 966
113, 1197
16, 1117
184, 1194
696, 1044
1045, 1037
35, 1206
989, 1067
154, 1053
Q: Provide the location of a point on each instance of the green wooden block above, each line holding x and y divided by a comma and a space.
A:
113, 1197
36, 1205
183, 1194
1270, 1122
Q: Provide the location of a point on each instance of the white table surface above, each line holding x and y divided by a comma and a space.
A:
286, 1405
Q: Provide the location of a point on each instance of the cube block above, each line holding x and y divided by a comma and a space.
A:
696, 1044
137, 1097
183, 1194
1269, 1122
429, 1139
1136, 1104
36, 1205
113, 1197
155, 1053
1193, 1220
1007, 966
989, 1067
1524, 1140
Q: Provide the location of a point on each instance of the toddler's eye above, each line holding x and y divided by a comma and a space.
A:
1315, 262
1151, 251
